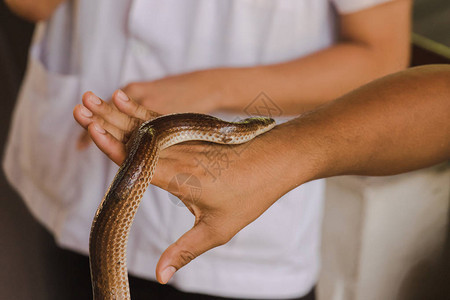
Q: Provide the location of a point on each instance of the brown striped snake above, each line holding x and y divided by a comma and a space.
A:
114, 216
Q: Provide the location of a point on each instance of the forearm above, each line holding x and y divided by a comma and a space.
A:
300, 85
393, 125
32, 10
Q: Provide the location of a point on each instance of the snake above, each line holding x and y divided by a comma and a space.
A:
115, 214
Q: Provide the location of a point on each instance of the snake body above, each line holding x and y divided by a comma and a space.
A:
115, 214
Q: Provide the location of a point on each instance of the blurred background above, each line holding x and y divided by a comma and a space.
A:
383, 238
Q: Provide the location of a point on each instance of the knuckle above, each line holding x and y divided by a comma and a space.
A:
107, 107
132, 124
99, 120
150, 114
218, 236
222, 235
221, 239
186, 256
121, 136
138, 111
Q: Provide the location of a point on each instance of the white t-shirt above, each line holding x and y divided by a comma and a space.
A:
105, 44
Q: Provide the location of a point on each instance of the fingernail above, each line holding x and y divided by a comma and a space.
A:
167, 273
99, 128
122, 96
86, 112
94, 99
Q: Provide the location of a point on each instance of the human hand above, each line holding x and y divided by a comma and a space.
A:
225, 206
84, 140
366, 132
199, 91
119, 117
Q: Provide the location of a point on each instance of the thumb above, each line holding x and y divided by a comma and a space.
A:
190, 245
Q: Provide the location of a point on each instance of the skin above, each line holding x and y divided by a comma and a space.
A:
392, 125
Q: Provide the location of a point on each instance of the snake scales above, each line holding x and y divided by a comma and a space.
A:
115, 214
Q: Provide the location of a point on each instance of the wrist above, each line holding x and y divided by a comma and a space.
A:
299, 151
215, 84
280, 156
235, 87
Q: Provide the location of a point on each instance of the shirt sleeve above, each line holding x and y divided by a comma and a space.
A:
351, 6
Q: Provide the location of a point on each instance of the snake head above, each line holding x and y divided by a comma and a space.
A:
260, 124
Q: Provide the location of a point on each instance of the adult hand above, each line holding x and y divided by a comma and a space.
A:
225, 205
366, 132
